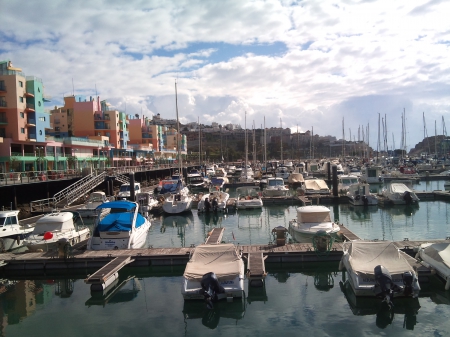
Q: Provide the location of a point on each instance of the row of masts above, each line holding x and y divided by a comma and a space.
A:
361, 145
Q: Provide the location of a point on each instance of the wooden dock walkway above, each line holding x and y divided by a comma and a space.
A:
108, 273
215, 236
256, 269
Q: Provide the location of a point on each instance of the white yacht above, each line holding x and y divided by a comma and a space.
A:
12, 233
282, 172
146, 203
378, 269
316, 186
372, 175
311, 220
220, 204
214, 272
400, 194
196, 182
123, 228
275, 188
248, 197
177, 198
359, 195
436, 256
345, 181
89, 209
53, 227
125, 190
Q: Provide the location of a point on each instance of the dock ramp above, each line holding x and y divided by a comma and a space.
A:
256, 269
215, 236
106, 275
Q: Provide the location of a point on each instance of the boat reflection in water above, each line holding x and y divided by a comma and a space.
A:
180, 222
234, 310
212, 218
363, 306
122, 289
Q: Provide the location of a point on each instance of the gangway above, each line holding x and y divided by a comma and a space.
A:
215, 236
70, 194
107, 274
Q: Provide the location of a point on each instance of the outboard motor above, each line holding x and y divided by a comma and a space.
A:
210, 288
407, 197
365, 200
408, 283
384, 286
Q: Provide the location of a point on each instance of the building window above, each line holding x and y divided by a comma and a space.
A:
21, 84
21, 99
22, 115
22, 130
39, 89
40, 132
42, 119
39, 103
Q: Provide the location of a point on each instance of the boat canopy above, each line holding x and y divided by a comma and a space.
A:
119, 204
119, 222
221, 259
316, 184
398, 188
439, 252
365, 256
170, 186
54, 222
310, 214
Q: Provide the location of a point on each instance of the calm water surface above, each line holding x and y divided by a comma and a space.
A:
298, 299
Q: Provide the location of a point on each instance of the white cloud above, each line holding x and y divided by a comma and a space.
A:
342, 59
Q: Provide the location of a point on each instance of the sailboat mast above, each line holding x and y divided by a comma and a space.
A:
281, 140
246, 144
265, 146
180, 166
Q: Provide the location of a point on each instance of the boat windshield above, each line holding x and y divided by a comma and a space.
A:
276, 182
9, 220
125, 188
95, 198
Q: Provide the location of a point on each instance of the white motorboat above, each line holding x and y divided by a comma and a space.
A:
378, 269
436, 256
248, 197
89, 209
177, 198
282, 172
217, 202
125, 191
12, 233
218, 182
345, 181
372, 175
310, 221
122, 228
214, 272
275, 188
296, 179
146, 203
53, 227
359, 195
400, 194
263, 180
316, 186
195, 181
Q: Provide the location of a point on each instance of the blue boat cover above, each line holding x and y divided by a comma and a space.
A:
119, 222
121, 204
172, 186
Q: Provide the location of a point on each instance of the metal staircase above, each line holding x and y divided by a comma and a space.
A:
70, 194
123, 179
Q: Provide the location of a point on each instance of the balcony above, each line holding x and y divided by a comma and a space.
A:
46, 98
31, 137
28, 95
56, 121
2, 87
30, 107
3, 119
31, 122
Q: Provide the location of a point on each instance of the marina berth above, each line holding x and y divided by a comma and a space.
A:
400, 194
310, 221
359, 195
122, 228
214, 272
275, 188
215, 201
51, 228
248, 197
378, 269
12, 233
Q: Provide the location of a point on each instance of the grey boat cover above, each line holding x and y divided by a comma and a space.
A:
439, 252
365, 256
316, 184
221, 259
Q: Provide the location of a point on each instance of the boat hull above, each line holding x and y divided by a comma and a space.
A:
233, 288
36, 243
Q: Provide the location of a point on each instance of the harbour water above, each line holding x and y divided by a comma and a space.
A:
298, 299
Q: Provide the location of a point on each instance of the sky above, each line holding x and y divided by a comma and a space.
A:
334, 67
